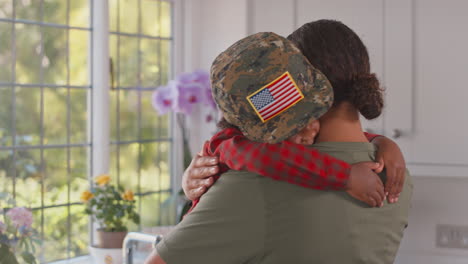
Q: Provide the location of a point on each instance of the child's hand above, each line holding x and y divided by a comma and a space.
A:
389, 156
197, 177
365, 185
307, 135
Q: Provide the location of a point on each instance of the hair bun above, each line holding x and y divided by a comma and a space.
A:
367, 95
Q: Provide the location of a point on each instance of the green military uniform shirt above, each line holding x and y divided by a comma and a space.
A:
247, 218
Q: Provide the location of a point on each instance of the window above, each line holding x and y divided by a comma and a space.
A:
46, 97
140, 47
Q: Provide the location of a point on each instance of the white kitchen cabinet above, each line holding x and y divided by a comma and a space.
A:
428, 88
362, 16
418, 48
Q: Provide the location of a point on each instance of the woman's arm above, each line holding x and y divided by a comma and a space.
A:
154, 258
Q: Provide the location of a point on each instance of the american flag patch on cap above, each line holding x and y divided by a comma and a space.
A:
275, 97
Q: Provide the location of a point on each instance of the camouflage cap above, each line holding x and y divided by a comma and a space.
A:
264, 85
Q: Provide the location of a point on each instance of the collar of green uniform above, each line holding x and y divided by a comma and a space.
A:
345, 146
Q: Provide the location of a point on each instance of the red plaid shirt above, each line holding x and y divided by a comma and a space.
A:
284, 161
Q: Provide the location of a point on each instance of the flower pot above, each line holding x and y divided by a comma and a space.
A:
106, 255
110, 239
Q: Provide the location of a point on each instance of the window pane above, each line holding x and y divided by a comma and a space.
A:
6, 116
79, 64
153, 126
56, 176
113, 15
37, 225
28, 9
155, 166
151, 63
28, 178
6, 62
164, 165
78, 107
28, 53
79, 13
157, 209
79, 231
150, 203
165, 19
128, 115
55, 11
165, 57
54, 61
6, 171
6, 9
114, 167
114, 114
55, 116
150, 172
79, 173
128, 62
149, 14
129, 166
128, 16
55, 233
114, 56
28, 116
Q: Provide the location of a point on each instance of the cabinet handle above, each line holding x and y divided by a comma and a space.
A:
396, 133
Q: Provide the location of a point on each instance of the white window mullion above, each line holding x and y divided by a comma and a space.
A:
178, 66
100, 118
100, 88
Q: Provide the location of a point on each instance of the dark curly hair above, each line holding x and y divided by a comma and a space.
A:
339, 53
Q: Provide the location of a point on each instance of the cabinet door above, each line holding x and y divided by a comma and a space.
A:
365, 17
398, 73
436, 141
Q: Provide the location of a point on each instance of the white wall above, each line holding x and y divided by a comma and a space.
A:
212, 26
435, 201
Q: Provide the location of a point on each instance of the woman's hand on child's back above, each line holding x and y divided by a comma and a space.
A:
197, 177
365, 185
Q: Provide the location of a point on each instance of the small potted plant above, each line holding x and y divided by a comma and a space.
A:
112, 207
18, 240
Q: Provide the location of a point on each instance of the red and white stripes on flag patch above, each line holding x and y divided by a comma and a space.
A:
275, 97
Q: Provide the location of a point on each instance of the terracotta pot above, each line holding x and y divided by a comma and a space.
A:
110, 239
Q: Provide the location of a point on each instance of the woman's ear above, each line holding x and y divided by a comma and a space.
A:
310, 132
307, 135
314, 128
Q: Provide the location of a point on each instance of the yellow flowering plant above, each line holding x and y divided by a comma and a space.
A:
111, 206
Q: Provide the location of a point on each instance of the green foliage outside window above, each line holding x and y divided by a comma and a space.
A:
56, 176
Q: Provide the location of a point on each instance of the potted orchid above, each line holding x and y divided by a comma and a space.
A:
181, 96
18, 240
